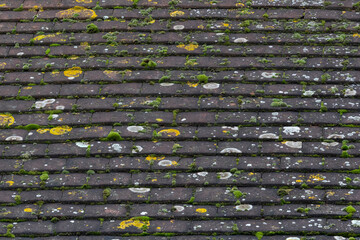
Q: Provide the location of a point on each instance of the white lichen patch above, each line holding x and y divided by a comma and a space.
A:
135, 129
350, 92
269, 74
292, 238
224, 175
268, 136
308, 93
179, 208
355, 118
230, 150
139, 190
41, 104
166, 84
178, 27
202, 174
82, 144
211, 86
244, 207
165, 163
240, 40
137, 149
60, 107
117, 147
14, 138
332, 144
291, 130
336, 136
355, 223
339, 238
293, 144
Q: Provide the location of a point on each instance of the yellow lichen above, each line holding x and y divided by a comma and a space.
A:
2, 65
77, 10
159, 120
189, 47
201, 210
84, 1
42, 130
356, 35
315, 178
60, 130
151, 158
176, 13
170, 132
28, 210
194, 85
110, 74
73, 72
3, 5
41, 37
240, 5
10, 183
6, 120
134, 222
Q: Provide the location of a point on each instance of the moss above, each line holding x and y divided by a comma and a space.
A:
106, 193
279, 103
235, 227
114, 136
44, 176
147, 63
92, 28
202, 78
31, 127
259, 235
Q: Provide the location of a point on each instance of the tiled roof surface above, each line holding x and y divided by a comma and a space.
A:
179, 120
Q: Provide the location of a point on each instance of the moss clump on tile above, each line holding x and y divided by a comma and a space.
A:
106, 193
31, 126
92, 28
113, 136
202, 78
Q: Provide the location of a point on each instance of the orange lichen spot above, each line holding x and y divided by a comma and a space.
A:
177, 13
189, 47
73, 72
251, 173
170, 132
134, 222
151, 158
158, 228
84, 1
153, 21
316, 178
28, 210
194, 85
77, 11
356, 35
201, 26
154, 180
6, 120
299, 181
10, 183
60, 130
201, 210
3, 5
312, 197
110, 74
43, 130
159, 120
2, 65
240, 5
